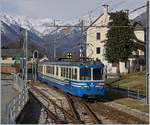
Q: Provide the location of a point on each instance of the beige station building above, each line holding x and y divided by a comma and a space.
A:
97, 36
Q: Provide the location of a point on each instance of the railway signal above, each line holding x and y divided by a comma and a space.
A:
69, 55
35, 54
34, 65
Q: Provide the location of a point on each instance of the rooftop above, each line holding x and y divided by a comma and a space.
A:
13, 53
77, 64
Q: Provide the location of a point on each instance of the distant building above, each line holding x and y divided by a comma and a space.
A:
12, 56
8, 56
97, 36
138, 60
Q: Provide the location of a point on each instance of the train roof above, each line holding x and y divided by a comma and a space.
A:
77, 64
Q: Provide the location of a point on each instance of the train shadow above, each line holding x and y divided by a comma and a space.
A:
108, 97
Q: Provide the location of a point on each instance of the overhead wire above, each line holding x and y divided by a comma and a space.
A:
91, 26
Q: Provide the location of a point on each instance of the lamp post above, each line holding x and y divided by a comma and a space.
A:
147, 54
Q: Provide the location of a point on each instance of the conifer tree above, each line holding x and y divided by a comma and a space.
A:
119, 45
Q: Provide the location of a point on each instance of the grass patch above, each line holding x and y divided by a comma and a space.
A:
133, 104
133, 81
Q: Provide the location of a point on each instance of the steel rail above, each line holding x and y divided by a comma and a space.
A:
72, 118
73, 109
71, 105
71, 100
91, 113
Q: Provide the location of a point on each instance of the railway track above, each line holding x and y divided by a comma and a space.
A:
78, 111
82, 111
60, 114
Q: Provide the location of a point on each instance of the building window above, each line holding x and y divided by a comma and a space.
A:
98, 36
98, 50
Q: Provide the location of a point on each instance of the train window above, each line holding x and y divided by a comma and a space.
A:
62, 71
65, 72
97, 74
70, 73
74, 73
56, 71
85, 74
40, 68
50, 69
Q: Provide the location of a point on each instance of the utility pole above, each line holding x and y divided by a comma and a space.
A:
147, 54
147, 51
90, 16
54, 44
26, 55
24, 64
81, 42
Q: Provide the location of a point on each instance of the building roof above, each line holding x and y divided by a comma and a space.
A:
137, 25
10, 52
139, 22
13, 53
141, 19
77, 64
95, 21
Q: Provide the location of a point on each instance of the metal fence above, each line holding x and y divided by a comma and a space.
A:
15, 106
5, 76
136, 93
18, 82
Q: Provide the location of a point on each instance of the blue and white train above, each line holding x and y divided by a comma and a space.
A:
83, 80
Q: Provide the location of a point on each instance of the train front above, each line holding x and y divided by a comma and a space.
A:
91, 83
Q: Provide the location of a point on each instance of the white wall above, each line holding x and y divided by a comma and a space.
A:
7, 61
91, 38
139, 34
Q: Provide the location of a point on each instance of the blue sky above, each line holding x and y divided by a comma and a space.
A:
64, 9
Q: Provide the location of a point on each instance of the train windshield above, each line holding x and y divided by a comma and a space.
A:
97, 74
88, 73
85, 74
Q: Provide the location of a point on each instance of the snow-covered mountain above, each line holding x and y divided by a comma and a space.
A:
41, 33
41, 27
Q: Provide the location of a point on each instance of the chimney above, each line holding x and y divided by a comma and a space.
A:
105, 7
126, 11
